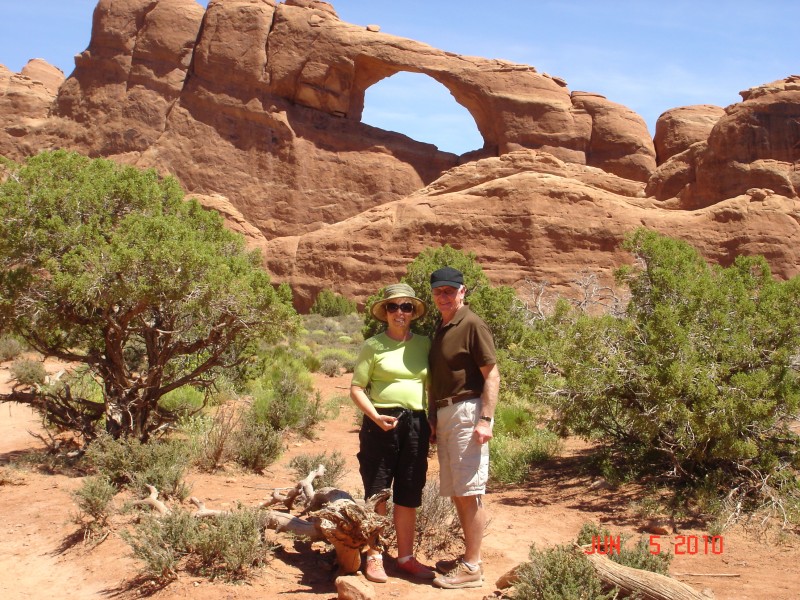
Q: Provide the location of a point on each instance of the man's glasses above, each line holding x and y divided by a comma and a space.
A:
406, 307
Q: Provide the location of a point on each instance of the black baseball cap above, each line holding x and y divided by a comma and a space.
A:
447, 276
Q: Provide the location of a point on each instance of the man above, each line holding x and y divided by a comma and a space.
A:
464, 382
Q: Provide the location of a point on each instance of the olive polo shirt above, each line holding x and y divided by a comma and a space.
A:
458, 351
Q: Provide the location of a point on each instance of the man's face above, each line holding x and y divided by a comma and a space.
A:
448, 299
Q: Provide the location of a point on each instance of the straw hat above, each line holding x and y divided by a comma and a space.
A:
394, 291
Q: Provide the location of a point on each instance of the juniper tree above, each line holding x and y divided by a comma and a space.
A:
110, 267
700, 380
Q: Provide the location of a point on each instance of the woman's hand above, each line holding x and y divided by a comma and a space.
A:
385, 422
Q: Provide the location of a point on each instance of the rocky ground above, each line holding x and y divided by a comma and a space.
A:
42, 553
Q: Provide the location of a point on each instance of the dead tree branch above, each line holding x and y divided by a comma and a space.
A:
647, 584
153, 501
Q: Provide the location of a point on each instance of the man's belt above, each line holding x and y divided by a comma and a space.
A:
450, 400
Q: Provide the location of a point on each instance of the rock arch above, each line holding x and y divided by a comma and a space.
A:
424, 110
370, 74
326, 64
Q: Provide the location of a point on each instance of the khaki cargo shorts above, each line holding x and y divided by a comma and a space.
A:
463, 462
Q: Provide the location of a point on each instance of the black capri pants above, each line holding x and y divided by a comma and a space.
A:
396, 459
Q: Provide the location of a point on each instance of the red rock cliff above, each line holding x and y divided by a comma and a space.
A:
260, 103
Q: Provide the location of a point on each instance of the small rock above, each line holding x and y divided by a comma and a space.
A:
759, 194
350, 587
508, 578
374, 28
599, 484
658, 527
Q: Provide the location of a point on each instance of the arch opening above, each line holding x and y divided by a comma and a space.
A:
421, 108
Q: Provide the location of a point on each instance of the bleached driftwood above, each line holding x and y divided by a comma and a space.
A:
153, 501
202, 512
649, 585
349, 527
645, 584
303, 491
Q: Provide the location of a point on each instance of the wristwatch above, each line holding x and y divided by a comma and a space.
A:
490, 420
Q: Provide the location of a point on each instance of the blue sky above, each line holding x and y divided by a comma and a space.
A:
650, 56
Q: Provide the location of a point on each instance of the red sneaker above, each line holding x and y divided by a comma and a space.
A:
416, 569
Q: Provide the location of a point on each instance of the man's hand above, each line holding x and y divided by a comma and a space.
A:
483, 431
432, 437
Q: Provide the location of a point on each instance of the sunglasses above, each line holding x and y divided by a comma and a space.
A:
406, 307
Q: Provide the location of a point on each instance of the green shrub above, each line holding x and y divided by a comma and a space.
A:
129, 462
640, 556
312, 363
345, 358
438, 530
194, 431
513, 456
697, 381
282, 396
161, 542
10, 348
516, 416
330, 367
559, 573
334, 465
184, 400
28, 372
282, 404
257, 445
164, 467
331, 304
93, 499
209, 438
232, 543
116, 459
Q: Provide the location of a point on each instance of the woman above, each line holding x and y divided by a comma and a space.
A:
389, 387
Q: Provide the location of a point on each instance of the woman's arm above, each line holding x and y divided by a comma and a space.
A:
359, 397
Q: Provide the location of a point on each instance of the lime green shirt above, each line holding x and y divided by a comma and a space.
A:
394, 374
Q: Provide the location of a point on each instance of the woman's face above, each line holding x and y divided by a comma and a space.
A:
399, 312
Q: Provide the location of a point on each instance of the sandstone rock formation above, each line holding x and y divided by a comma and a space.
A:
756, 144
263, 102
255, 106
679, 128
25, 100
528, 215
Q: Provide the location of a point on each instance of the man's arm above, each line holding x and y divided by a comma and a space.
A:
491, 387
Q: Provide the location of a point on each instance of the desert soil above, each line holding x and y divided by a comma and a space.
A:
43, 555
